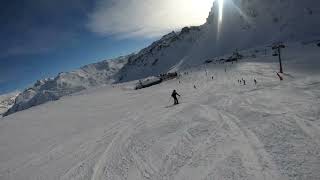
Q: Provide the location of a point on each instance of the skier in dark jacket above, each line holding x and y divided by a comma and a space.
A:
174, 96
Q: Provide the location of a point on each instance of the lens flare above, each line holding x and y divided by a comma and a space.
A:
220, 18
220, 10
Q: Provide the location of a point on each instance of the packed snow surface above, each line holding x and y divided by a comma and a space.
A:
221, 130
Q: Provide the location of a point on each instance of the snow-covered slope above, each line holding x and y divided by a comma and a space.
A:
221, 130
245, 24
92, 75
7, 101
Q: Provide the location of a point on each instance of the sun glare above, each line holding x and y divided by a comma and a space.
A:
220, 10
220, 17
200, 9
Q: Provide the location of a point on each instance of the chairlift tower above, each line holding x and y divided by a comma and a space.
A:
278, 48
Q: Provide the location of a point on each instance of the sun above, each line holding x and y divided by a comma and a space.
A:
200, 8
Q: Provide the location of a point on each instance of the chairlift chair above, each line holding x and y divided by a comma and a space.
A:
275, 54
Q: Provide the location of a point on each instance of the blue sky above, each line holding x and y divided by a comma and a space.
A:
40, 38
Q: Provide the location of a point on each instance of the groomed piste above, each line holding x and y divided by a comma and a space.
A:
221, 129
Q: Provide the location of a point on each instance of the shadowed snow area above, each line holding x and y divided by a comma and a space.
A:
221, 130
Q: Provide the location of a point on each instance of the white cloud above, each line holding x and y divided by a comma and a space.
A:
146, 18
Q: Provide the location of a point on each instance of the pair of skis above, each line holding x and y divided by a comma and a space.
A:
169, 106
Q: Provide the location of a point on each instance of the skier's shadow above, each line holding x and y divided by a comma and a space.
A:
171, 105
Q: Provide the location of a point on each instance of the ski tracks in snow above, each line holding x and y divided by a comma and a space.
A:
218, 132
287, 146
222, 130
189, 142
225, 135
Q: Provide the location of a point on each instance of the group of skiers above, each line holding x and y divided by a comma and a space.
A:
175, 95
243, 81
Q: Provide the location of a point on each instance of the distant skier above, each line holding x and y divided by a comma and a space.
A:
174, 96
194, 86
255, 81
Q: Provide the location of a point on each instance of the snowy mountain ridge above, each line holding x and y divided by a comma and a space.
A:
7, 101
160, 56
245, 24
66, 83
